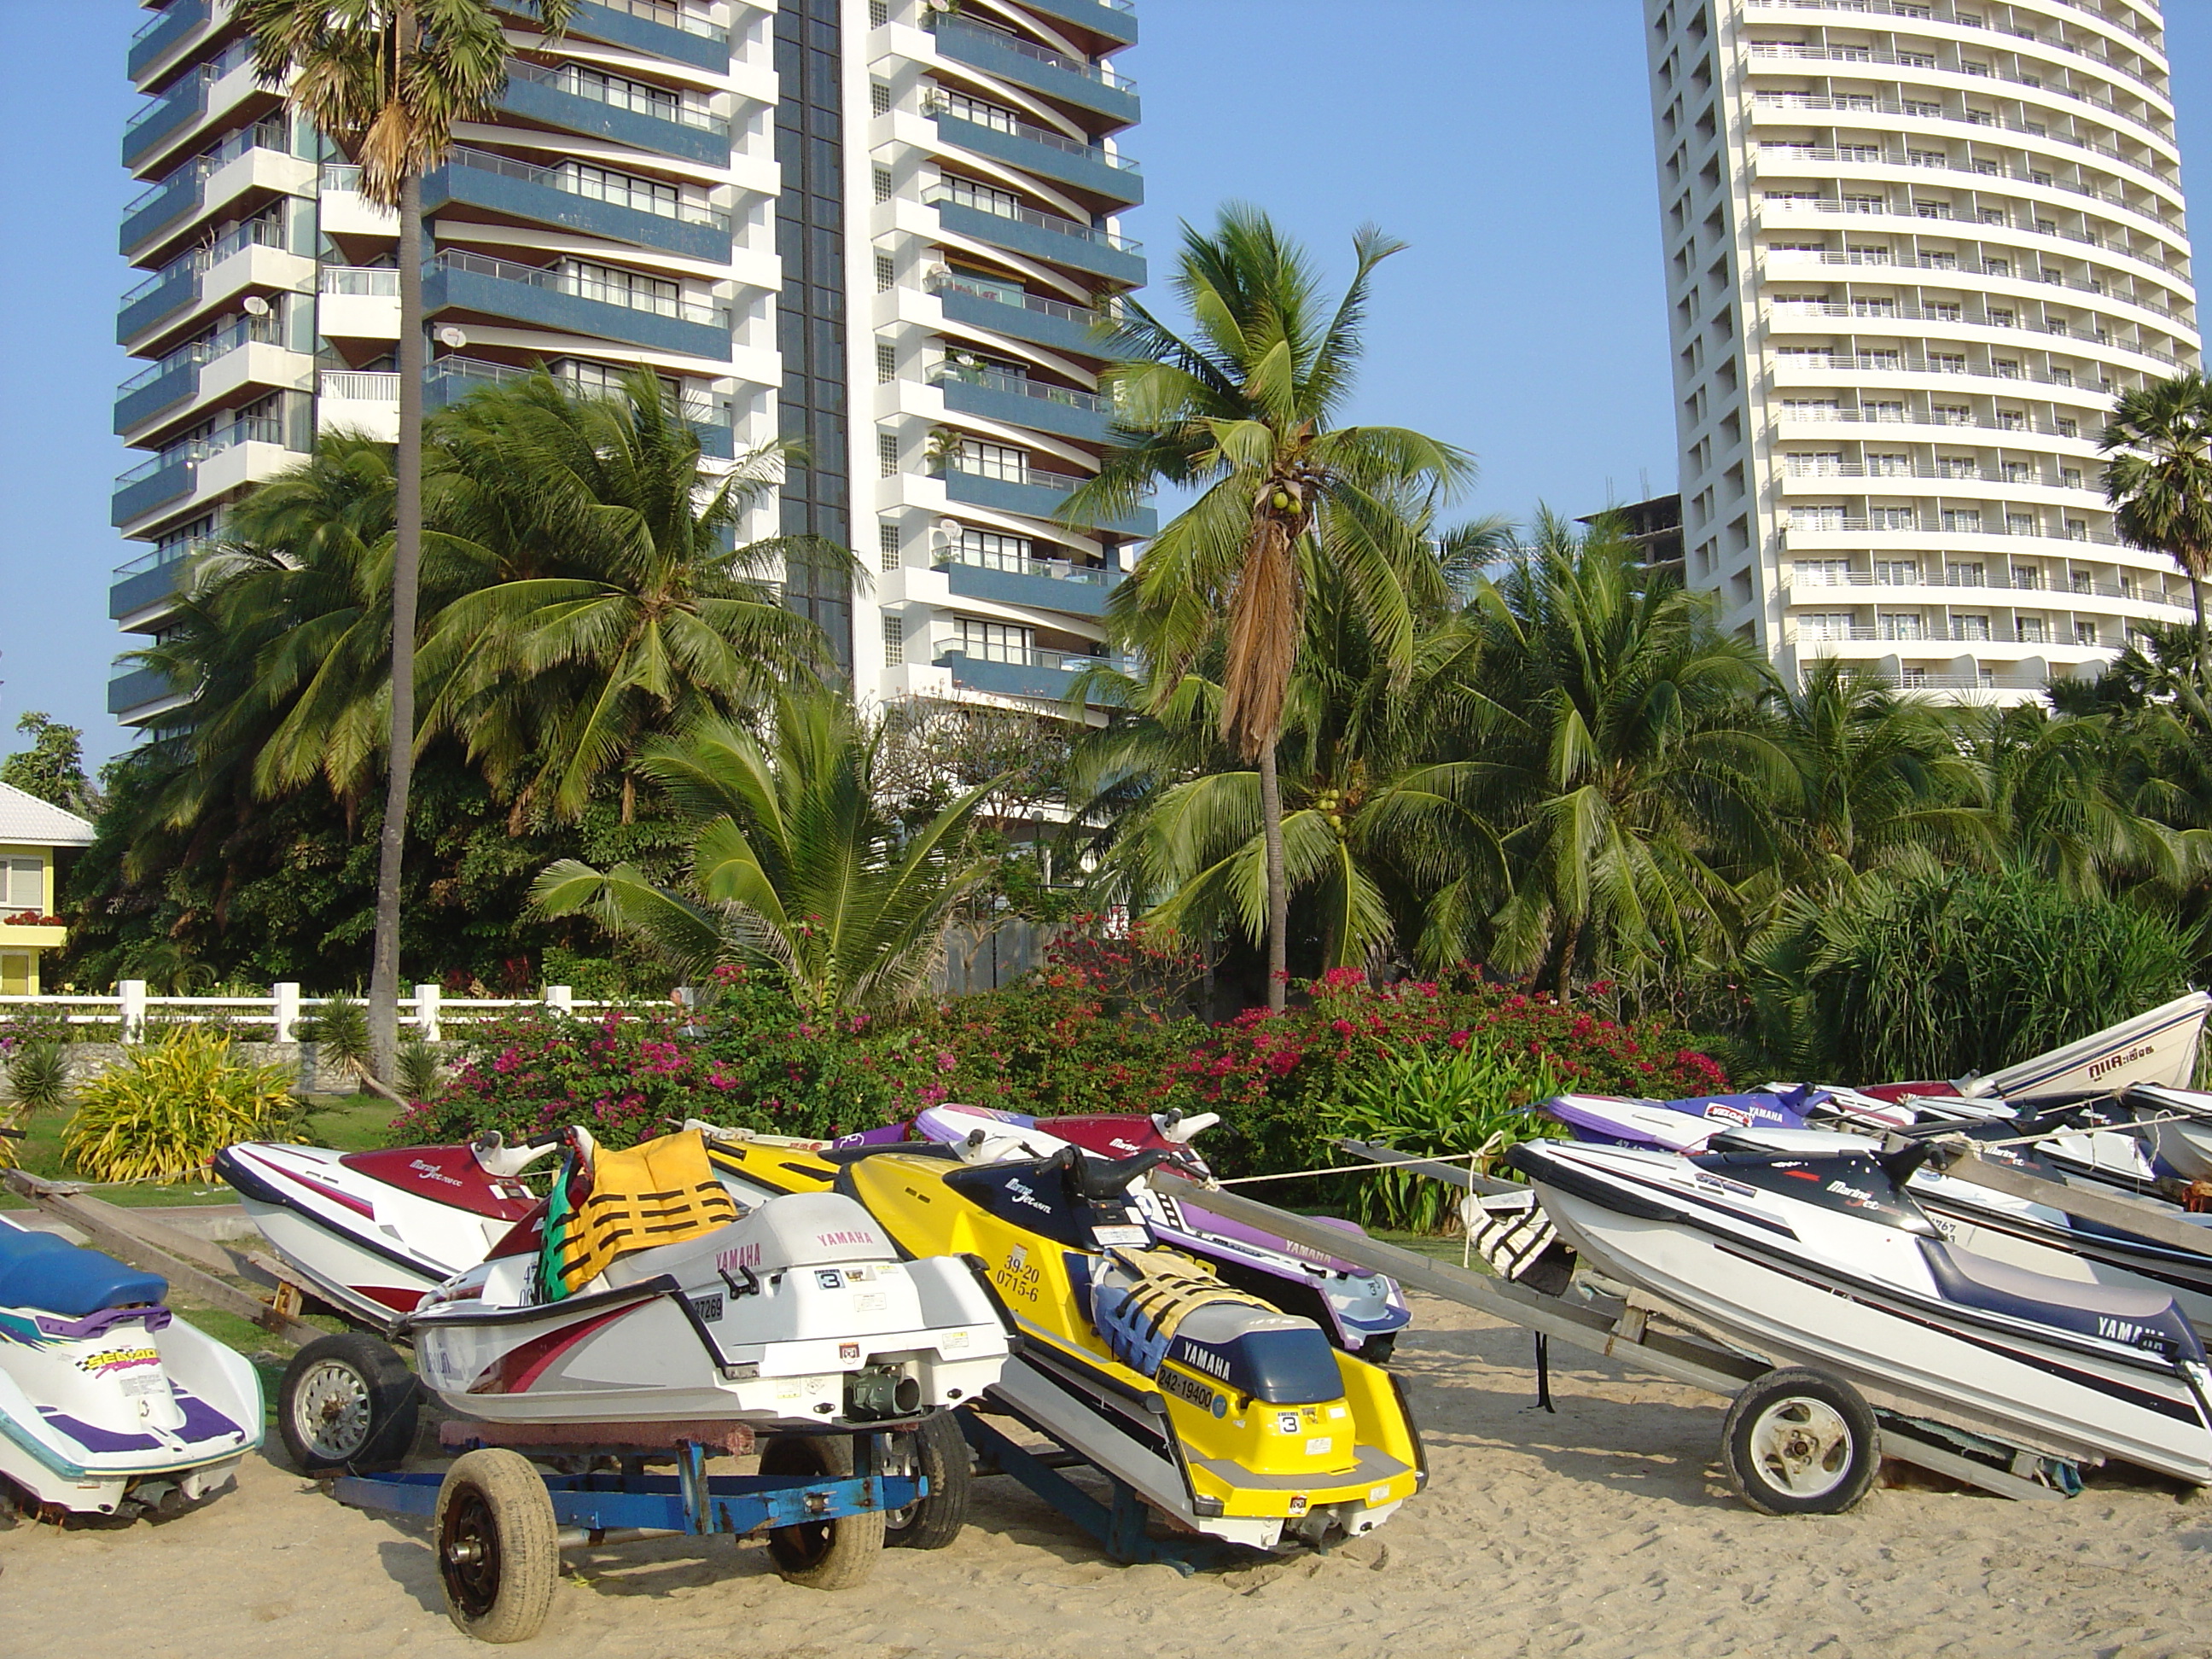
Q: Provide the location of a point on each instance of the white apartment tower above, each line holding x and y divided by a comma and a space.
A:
882, 227
1913, 249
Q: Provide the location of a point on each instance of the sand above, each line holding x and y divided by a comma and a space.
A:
1602, 1531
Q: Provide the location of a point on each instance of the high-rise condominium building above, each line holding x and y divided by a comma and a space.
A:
883, 227
1914, 248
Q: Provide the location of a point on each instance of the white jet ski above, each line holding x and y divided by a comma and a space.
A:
795, 1314
109, 1405
1821, 1259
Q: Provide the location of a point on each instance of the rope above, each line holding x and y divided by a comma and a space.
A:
1346, 1169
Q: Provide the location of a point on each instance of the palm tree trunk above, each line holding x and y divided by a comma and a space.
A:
2197, 595
406, 566
1278, 892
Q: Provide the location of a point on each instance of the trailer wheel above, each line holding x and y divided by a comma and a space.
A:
499, 1547
824, 1555
1801, 1441
940, 1453
348, 1403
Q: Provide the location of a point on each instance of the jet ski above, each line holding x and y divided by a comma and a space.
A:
2156, 1048
373, 1233
1362, 1312
110, 1405
1231, 1417
640, 1291
1822, 1259
2039, 1237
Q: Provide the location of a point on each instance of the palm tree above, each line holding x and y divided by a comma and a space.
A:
627, 610
796, 867
2159, 479
387, 80
1241, 407
1623, 761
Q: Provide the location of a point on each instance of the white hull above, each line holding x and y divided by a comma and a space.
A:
2159, 1047
2060, 1402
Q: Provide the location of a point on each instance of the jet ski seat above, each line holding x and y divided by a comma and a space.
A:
2142, 1318
37, 1270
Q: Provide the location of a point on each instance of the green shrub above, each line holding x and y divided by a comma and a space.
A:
339, 1031
418, 1068
172, 1107
1451, 1102
38, 1074
1956, 973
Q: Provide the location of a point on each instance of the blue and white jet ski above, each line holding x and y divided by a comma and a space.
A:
1820, 1258
109, 1405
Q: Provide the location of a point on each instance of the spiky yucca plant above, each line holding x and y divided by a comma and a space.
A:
177, 1102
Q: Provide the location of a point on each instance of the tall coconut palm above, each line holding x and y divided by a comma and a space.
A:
386, 79
1242, 406
2159, 480
627, 609
796, 867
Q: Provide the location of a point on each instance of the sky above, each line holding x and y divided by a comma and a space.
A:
1507, 140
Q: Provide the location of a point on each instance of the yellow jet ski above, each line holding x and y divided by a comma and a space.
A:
1231, 1417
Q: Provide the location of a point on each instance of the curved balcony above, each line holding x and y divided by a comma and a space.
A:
552, 196
1110, 20
1085, 167
533, 296
1793, 106
568, 99
163, 33
1072, 81
1041, 676
1018, 401
1036, 495
1040, 583
1050, 323
1044, 236
1974, 31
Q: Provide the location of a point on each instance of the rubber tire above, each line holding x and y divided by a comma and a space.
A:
380, 1378
823, 1555
1863, 1456
1377, 1350
940, 1455
494, 1498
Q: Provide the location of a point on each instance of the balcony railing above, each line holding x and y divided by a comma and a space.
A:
1866, 362
240, 331
253, 429
1988, 590
358, 385
174, 553
254, 232
1033, 478
939, 194
937, 104
1085, 315
1021, 386
583, 287
1870, 322
265, 134
1976, 475
669, 15
1853, 104
1966, 226
1924, 63
1948, 263
1857, 417
941, 24
1067, 662
567, 79
1055, 569
483, 371
1919, 13
1850, 524
614, 194
1971, 169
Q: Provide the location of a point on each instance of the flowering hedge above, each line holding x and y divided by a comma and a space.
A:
1087, 1033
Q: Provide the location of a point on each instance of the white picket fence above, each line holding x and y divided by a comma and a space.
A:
425, 1014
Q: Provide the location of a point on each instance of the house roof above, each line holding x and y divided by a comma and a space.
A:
27, 821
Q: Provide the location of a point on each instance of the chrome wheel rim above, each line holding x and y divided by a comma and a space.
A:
1801, 1446
331, 1409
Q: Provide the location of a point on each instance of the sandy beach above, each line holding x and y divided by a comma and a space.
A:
1604, 1531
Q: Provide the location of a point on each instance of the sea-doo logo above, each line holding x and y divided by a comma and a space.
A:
1022, 1194
118, 1360
432, 1172
2113, 1063
1191, 1390
1204, 1359
1724, 1113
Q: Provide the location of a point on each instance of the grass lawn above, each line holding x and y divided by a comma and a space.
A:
351, 1123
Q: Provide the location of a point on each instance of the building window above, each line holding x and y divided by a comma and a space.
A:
2085, 633
1824, 625
886, 273
24, 880
961, 108
1901, 625
887, 453
622, 189
1963, 575
1893, 517
1821, 573
1828, 466
886, 362
2027, 578
884, 188
1816, 518
988, 641
887, 546
2069, 477
1888, 465
2077, 530
894, 641
614, 285
999, 461
1963, 520
879, 13
1896, 573
2028, 631
2066, 427
993, 551
879, 98
640, 97
1970, 628
2022, 524
966, 192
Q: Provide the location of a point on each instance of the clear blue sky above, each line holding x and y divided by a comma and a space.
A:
1507, 140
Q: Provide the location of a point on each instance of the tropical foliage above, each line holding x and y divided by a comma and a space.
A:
178, 1100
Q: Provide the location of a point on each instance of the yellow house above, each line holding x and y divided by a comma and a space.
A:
30, 832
